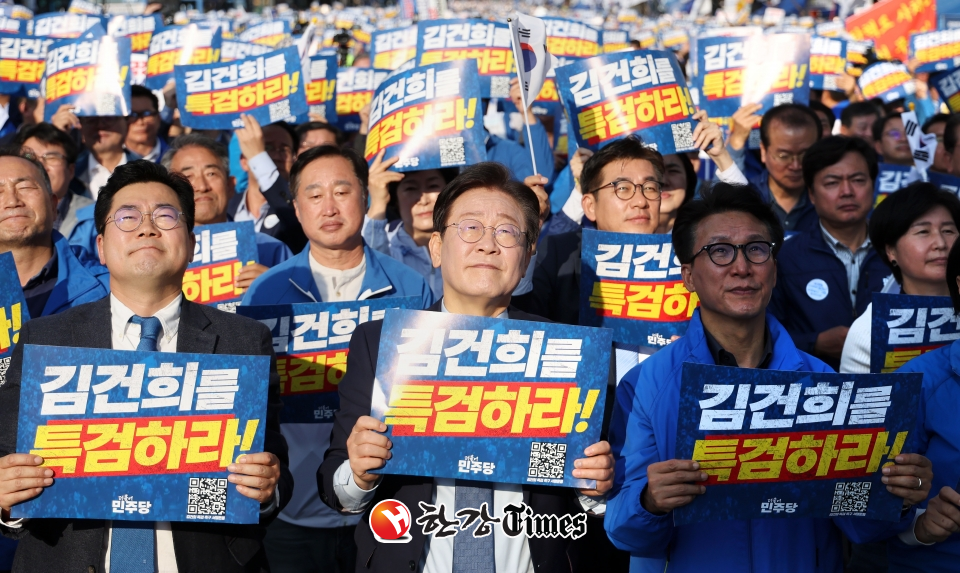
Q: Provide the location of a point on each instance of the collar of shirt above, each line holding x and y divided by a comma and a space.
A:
47, 273
154, 153
94, 167
244, 214
835, 245
443, 308
723, 358
4, 114
120, 317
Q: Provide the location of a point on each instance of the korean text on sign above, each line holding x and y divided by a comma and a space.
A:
614, 95
92, 73
905, 327
828, 62
886, 80
511, 389
13, 311
178, 46
631, 284
947, 85
60, 25
570, 40
220, 252
391, 48
488, 43
269, 87
138, 28
355, 88
112, 423
311, 342
321, 78
816, 440
22, 61
429, 116
935, 51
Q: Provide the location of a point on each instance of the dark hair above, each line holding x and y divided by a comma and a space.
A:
626, 149
691, 174
490, 175
831, 150
881, 124
290, 131
894, 215
447, 173
143, 171
937, 118
309, 156
51, 136
19, 153
140, 91
816, 106
857, 109
790, 115
218, 149
303, 128
722, 198
950, 133
953, 271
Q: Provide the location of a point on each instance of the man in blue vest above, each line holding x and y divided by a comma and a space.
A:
827, 276
727, 244
329, 189
52, 277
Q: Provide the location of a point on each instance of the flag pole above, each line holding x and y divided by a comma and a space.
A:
523, 101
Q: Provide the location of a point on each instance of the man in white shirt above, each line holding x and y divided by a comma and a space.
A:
480, 272
145, 221
143, 125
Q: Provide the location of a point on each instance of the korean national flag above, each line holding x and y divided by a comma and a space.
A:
530, 52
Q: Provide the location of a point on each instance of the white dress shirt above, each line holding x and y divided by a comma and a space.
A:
154, 154
512, 553
337, 285
97, 175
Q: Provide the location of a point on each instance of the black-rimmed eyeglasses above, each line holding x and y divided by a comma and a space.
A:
723, 254
626, 189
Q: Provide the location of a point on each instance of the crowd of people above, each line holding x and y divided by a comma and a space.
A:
784, 246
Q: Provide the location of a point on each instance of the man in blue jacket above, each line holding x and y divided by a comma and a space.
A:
329, 192
52, 277
827, 276
727, 245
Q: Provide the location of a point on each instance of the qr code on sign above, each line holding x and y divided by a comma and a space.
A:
207, 498
780, 99
850, 498
280, 111
4, 365
547, 460
107, 104
451, 151
682, 135
500, 86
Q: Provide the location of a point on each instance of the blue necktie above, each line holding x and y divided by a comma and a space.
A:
474, 554
133, 545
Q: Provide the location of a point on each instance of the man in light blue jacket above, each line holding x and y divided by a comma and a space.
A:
329, 189
727, 244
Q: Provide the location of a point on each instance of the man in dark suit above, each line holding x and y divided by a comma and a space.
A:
145, 221
480, 271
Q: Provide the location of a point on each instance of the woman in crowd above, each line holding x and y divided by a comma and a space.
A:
912, 231
679, 187
930, 546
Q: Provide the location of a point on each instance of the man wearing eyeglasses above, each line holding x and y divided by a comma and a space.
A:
329, 188
143, 125
145, 222
941, 158
727, 243
58, 154
52, 277
890, 141
827, 276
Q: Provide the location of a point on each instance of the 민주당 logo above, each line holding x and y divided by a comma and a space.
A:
390, 522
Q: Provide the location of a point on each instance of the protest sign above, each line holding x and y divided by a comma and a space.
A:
221, 250
569, 40
355, 88
267, 34
888, 81
429, 117
312, 341
614, 95
13, 25
513, 396
947, 85
793, 444
140, 436
139, 29
828, 62
22, 61
935, 51
615, 40
890, 178
321, 87
487, 43
178, 46
83, 7
391, 48
904, 327
91, 73
138, 69
946, 182
13, 311
673, 39
631, 284
889, 23
231, 50
64, 24
268, 87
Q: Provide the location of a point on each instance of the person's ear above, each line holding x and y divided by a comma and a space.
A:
891, 254
435, 246
686, 273
103, 259
589, 204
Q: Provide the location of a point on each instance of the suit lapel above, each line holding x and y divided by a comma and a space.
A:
192, 336
100, 332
